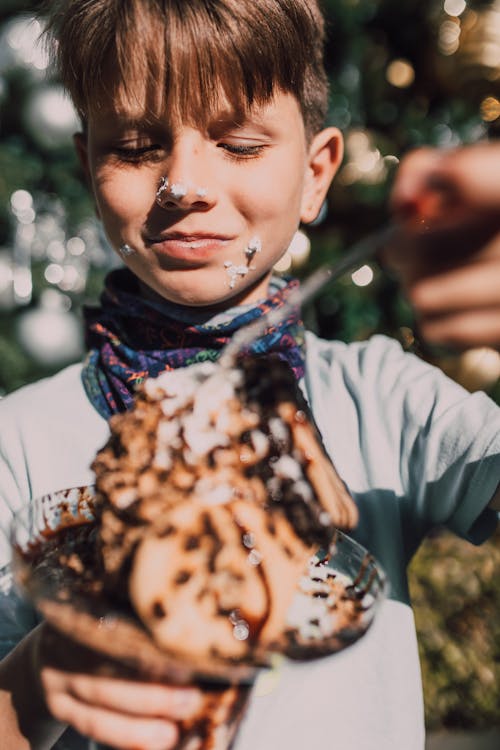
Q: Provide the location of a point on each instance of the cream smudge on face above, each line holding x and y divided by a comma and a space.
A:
178, 190
254, 246
235, 271
127, 250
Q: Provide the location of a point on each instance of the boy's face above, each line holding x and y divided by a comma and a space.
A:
234, 185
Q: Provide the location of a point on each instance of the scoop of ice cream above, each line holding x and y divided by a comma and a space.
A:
215, 490
226, 583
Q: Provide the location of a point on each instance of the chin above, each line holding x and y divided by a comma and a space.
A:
218, 301
214, 293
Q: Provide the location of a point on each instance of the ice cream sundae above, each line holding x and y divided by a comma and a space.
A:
211, 545
215, 493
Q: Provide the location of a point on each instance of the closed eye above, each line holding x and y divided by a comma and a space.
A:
139, 153
241, 150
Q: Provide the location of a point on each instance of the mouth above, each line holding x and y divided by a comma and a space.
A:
192, 247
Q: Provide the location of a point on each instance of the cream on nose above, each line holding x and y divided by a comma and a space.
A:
171, 194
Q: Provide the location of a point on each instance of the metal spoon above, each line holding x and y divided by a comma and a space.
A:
363, 250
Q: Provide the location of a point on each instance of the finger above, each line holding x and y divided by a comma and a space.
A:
412, 176
420, 197
474, 170
463, 289
448, 187
412, 256
463, 330
419, 261
112, 728
128, 697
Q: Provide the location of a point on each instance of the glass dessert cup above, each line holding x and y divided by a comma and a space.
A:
60, 527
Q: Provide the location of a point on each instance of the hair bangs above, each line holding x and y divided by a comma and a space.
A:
208, 56
190, 58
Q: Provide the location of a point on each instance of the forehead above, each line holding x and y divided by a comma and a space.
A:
223, 115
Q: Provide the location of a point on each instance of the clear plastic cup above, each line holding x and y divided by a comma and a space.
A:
118, 644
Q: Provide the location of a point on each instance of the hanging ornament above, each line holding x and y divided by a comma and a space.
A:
50, 117
21, 47
51, 333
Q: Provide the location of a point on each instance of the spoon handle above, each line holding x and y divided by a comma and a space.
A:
363, 250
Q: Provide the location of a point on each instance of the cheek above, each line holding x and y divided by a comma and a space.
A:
121, 196
278, 195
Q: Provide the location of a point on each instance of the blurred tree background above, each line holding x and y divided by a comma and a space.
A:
403, 73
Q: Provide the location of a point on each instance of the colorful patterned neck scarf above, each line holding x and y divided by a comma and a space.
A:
131, 338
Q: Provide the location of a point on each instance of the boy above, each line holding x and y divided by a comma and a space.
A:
204, 149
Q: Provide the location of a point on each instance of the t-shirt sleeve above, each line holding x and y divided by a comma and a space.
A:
449, 448
399, 428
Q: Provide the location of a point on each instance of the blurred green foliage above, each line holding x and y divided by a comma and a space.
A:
455, 589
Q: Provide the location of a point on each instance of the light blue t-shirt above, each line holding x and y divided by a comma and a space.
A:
415, 449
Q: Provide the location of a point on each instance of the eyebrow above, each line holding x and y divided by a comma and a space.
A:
225, 118
224, 121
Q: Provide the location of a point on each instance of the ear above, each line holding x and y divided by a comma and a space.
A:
81, 148
324, 158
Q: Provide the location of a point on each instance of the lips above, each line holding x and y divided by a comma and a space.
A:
192, 247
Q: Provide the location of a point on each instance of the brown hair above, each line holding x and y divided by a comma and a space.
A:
182, 54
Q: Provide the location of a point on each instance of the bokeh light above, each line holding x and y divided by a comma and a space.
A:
363, 276
400, 73
454, 7
490, 109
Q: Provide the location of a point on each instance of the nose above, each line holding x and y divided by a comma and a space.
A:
182, 194
185, 186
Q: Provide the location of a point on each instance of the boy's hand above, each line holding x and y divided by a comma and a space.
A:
118, 712
447, 205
